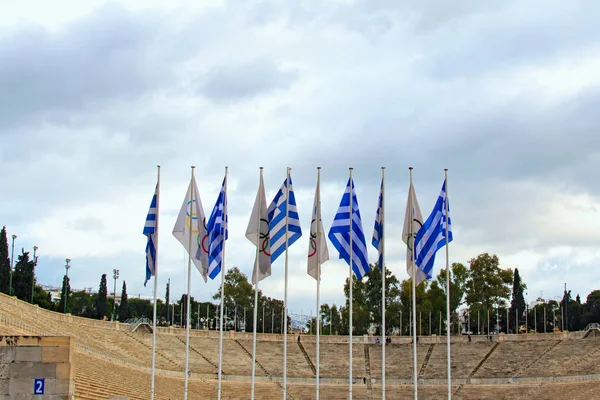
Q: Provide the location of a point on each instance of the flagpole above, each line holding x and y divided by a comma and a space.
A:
285, 294
155, 285
350, 282
317, 254
189, 286
414, 300
222, 287
448, 287
257, 266
382, 243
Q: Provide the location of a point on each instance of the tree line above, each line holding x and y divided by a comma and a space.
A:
484, 296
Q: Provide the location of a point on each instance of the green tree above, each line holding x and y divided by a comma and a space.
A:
360, 310
591, 308
101, 305
517, 302
64, 305
373, 297
488, 285
436, 299
82, 304
124, 306
167, 304
238, 292
42, 298
459, 274
139, 308
22, 276
4, 262
406, 303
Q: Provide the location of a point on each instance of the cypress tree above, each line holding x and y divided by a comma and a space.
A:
124, 306
101, 305
64, 296
4, 262
167, 311
22, 276
517, 303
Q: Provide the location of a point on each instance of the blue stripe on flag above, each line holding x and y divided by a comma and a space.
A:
217, 233
150, 232
432, 235
276, 215
378, 229
339, 234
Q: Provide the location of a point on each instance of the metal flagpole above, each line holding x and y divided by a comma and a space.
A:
285, 294
382, 283
448, 288
224, 227
257, 266
189, 286
350, 282
414, 300
155, 285
317, 254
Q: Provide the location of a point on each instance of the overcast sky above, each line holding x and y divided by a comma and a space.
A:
95, 94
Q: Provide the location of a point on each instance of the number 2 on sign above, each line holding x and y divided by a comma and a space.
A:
38, 386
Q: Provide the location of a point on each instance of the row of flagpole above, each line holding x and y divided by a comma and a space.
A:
423, 239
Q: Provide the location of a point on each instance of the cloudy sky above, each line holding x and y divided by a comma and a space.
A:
95, 94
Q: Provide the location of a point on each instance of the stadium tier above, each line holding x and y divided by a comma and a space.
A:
109, 359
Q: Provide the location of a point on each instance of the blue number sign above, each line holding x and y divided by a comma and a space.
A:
38, 386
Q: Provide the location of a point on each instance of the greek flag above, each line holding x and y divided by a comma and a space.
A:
151, 233
339, 234
432, 235
277, 210
378, 230
217, 233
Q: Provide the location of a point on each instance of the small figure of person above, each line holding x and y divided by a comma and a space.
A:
469, 337
377, 341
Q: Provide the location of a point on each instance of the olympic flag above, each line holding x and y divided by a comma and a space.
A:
258, 233
413, 221
192, 222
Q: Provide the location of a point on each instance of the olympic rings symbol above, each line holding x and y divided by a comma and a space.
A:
413, 235
190, 216
313, 241
265, 238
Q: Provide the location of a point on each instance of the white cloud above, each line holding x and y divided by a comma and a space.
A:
505, 96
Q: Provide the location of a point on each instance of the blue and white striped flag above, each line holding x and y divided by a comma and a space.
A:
432, 235
378, 229
151, 234
277, 210
217, 233
339, 234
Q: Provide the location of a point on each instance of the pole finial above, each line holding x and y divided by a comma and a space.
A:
410, 168
446, 169
350, 168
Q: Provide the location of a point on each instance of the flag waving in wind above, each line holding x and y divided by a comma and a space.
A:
277, 211
432, 236
190, 229
151, 233
217, 233
339, 233
317, 241
258, 233
413, 221
378, 229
